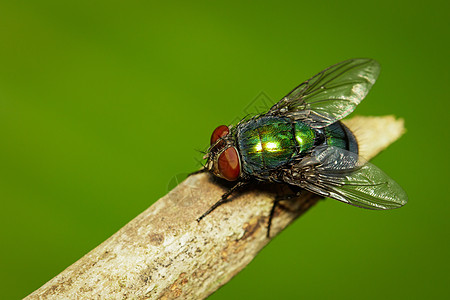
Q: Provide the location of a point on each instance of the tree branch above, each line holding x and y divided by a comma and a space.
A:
164, 253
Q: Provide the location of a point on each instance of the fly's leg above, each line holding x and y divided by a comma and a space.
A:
272, 211
276, 203
223, 199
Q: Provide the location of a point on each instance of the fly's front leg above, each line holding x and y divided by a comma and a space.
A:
223, 199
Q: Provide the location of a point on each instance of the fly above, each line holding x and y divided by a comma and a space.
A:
301, 142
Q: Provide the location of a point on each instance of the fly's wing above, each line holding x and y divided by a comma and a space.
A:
261, 103
344, 176
330, 95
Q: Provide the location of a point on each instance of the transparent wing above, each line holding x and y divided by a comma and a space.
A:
261, 103
344, 176
330, 95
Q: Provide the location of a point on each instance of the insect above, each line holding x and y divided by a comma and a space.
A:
301, 142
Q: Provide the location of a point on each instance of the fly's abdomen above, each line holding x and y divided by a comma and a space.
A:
338, 135
267, 143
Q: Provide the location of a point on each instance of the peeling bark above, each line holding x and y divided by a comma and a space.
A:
164, 253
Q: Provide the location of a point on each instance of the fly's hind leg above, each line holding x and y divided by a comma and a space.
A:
223, 199
276, 203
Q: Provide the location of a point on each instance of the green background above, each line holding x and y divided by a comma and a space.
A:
103, 102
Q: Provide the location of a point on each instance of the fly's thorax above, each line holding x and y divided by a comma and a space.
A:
267, 143
305, 136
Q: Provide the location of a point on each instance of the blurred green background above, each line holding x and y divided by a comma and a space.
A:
103, 102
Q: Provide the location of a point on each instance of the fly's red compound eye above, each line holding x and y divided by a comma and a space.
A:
229, 165
218, 133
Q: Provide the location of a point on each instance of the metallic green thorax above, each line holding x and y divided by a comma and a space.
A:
268, 142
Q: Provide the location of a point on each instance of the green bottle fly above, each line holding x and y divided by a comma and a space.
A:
301, 142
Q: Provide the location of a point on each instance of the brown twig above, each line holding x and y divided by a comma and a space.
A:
164, 253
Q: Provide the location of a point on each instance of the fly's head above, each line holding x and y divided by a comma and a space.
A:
222, 157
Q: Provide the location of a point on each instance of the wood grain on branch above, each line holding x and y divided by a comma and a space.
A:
164, 253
